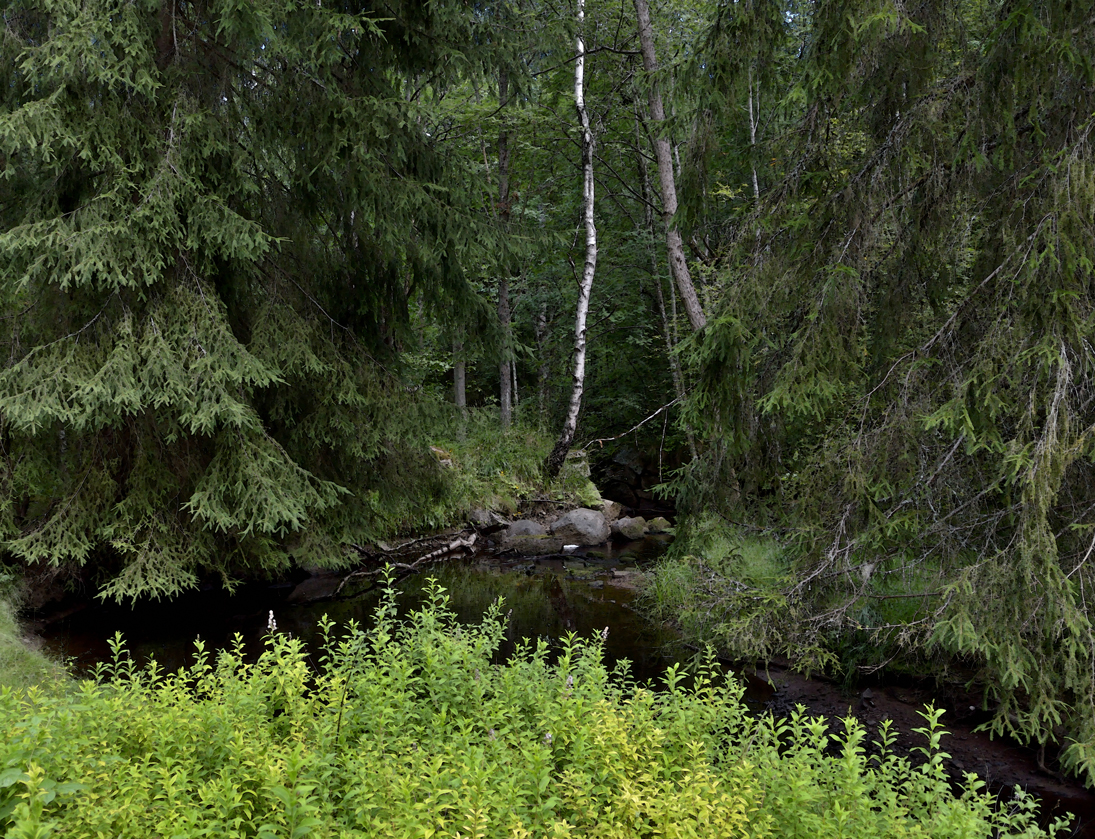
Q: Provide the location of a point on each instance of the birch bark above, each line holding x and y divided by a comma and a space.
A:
558, 455
505, 363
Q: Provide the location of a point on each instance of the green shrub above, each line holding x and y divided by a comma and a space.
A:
723, 586
409, 730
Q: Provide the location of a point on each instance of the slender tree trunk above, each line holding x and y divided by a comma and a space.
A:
459, 384
505, 362
505, 379
558, 455
459, 377
513, 369
667, 332
753, 119
678, 266
545, 367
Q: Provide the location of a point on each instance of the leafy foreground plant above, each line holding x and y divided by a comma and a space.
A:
409, 730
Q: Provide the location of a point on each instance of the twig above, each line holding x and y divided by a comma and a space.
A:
634, 427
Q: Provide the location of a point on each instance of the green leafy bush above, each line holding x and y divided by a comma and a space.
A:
410, 730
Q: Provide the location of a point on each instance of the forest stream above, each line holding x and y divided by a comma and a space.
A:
547, 597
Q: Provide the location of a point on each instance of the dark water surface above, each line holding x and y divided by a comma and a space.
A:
546, 597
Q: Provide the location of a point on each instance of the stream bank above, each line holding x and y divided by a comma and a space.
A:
581, 591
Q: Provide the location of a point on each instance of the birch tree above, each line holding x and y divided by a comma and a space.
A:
566, 437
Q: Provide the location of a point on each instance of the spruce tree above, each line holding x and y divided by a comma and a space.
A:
900, 367
213, 219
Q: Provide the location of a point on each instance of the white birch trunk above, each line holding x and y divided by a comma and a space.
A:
505, 363
558, 455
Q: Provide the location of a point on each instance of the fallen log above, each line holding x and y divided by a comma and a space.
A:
462, 543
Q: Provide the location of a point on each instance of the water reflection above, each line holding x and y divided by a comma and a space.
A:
544, 598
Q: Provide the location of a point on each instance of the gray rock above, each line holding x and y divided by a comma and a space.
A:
481, 518
611, 510
534, 545
529, 538
658, 525
581, 527
632, 528
524, 527
597, 584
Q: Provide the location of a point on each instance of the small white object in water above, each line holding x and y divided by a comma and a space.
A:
569, 548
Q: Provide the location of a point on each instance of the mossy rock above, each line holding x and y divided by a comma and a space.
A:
631, 528
660, 524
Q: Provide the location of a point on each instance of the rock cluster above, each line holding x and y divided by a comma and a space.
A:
582, 527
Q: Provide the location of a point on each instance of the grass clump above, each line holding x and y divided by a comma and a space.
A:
409, 730
477, 464
722, 586
21, 666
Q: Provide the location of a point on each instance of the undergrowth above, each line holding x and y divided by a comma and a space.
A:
20, 666
409, 730
477, 464
741, 591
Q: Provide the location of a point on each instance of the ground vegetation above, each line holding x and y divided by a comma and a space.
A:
412, 729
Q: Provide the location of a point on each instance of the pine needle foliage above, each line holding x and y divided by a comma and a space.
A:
899, 369
216, 222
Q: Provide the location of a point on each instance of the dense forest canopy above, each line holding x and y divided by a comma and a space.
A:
244, 246
900, 368
217, 219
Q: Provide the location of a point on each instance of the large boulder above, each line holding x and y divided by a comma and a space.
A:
529, 538
632, 528
581, 527
524, 527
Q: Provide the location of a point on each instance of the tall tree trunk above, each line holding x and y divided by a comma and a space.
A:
505, 378
558, 455
505, 362
667, 332
753, 119
459, 384
678, 266
545, 367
